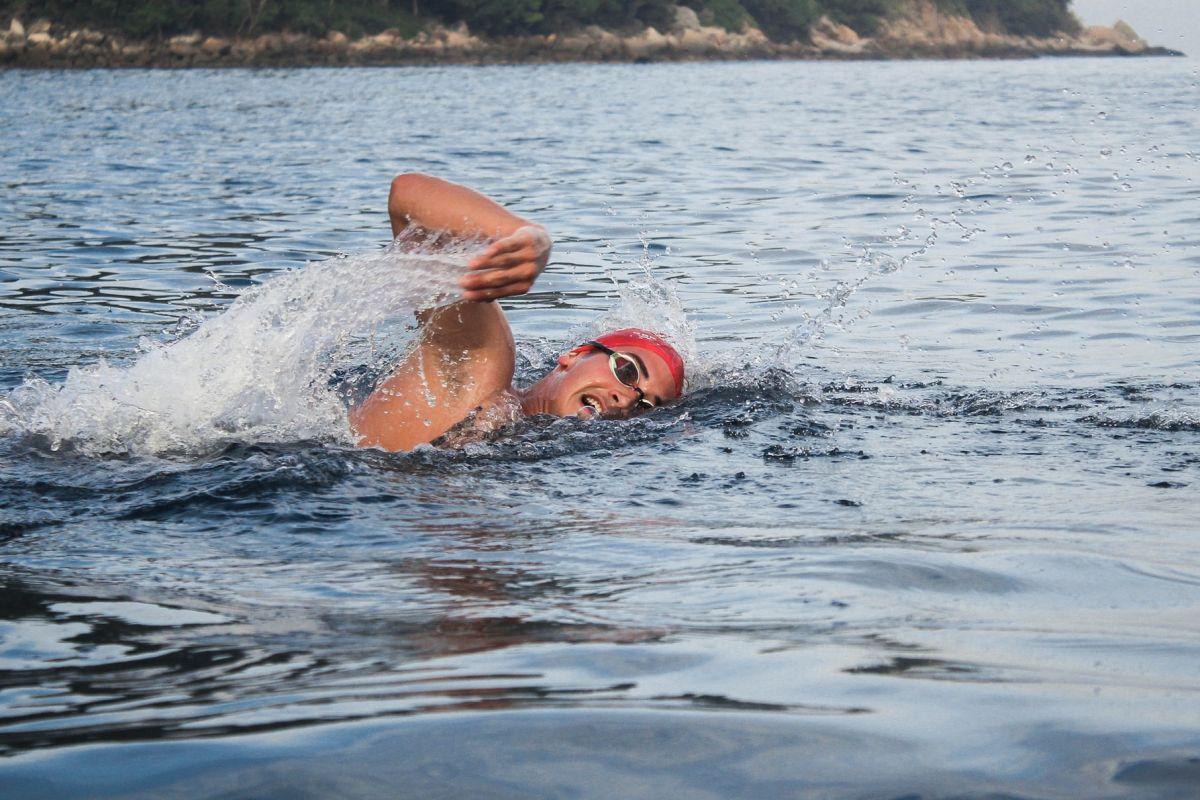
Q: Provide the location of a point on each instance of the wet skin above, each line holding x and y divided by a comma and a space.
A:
582, 384
464, 358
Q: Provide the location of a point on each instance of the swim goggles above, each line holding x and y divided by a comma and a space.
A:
628, 371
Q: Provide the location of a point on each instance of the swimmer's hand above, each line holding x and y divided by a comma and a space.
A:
509, 266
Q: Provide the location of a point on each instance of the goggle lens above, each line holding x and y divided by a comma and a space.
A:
625, 370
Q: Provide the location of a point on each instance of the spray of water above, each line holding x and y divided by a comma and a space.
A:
645, 301
265, 370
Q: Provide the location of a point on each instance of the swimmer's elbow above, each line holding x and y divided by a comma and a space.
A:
404, 186
407, 182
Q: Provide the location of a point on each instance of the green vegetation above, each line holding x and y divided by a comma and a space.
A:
863, 16
1025, 17
146, 18
782, 20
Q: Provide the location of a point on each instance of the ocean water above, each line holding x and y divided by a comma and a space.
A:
925, 524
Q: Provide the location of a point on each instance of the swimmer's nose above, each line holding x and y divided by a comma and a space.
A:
624, 398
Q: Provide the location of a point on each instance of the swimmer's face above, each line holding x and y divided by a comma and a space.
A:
584, 383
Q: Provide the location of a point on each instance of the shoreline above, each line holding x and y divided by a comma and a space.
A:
46, 46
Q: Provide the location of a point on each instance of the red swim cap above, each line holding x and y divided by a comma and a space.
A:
636, 337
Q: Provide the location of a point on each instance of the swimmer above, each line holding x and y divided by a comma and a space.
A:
456, 383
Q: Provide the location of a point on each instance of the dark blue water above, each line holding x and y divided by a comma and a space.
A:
925, 525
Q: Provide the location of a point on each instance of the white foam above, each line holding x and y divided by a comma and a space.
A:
262, 371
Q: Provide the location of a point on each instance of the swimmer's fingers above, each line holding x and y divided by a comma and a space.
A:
530, 243
509, 266
492, 278
497, 250
507, 261
493, 283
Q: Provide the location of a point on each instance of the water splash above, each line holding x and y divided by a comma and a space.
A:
265, 370
643, 301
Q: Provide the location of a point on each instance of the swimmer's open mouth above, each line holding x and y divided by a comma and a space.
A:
590, 406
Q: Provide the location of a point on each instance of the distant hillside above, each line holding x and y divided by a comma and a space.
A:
294, 33
780, 20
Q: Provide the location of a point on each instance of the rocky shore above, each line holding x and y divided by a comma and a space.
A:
920, 31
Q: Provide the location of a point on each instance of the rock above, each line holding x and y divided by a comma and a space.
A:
385, 40
459, 41
1099, 38
609, 44
833, 37
39, 39
685, 20
41, 26
573, 44
836, 32
215, 46
267, 43
16, 28
339, 39
645, 44
457, 37
692, 42
602, 42
92, 37
751, 40
184, 44
962, 32
1119, 38
1128, 37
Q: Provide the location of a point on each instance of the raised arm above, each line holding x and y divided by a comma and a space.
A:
464, 357
509, 266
